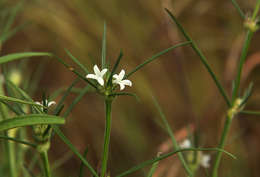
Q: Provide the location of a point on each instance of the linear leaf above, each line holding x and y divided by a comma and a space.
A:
114, 68
77, 61
155, 57
17, 56
31, 119
241, 13
16, 100
103, 57
73, 149
203, 59
18, 141
164, 156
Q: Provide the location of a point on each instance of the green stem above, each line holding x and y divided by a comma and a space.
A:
44, 156
248, 38
108, 103
221, 145
9, 146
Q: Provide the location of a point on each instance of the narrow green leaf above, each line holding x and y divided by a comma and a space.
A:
257, 113
18, 141
16, 100
241, 13
156, 56
73, 149
103, 57
114, 68
171, 134
81, 168
164, 156
30, 119
153, 168
17, 56
65, 95
203, 59
77, 61
13, 109
75, 72
76, 100
247, 94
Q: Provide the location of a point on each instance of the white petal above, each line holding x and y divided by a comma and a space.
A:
37, 102
103, 72
122, 86
115, 76
205, 161
127, 82
185, 144
100, 81
122, 74
91, 76
96, 70
51, 103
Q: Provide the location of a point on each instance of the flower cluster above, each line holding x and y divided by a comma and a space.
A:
203, 159
117, 78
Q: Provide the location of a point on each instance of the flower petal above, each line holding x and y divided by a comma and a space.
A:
100, 81
122, 86
96, 70
121, 74
126, 82
103, 72
91, 76
51, 103
205, 161
185, 144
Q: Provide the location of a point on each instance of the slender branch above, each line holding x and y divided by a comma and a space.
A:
44, 156
108, 103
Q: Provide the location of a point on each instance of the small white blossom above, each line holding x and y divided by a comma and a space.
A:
118, 79
98, 75
204, 161
48, 103
185, 144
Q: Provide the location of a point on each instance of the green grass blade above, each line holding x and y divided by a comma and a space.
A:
73, 149
153, 168
30, 119
202, 58
13, 109
241, 13
9, 34
114, 68
103, 57
170, 132
18, 141
81, 168
77, 61
16, 100
257, 113
65, 95
164, 156
76, 100
75, 72
155, 57
17, 56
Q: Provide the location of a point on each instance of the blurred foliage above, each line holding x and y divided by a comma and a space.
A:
178, 80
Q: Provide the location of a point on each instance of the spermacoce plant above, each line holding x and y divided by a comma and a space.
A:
110, 83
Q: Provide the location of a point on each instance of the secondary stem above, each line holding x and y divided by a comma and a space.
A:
221, 145
108, 103
44, 157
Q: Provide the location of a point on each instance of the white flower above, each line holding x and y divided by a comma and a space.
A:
118, 79
98, 75
48, 103
185, 144
204, 160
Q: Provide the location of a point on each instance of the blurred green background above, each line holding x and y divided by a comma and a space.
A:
178, 80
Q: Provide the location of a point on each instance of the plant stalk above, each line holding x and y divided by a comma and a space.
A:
46, 165
108, 103
221, 145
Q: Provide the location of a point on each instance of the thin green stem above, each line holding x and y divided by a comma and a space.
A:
250, 112
202, 58
256, 10
221, 145
241, 13
248, 38
108, 103
46, 165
